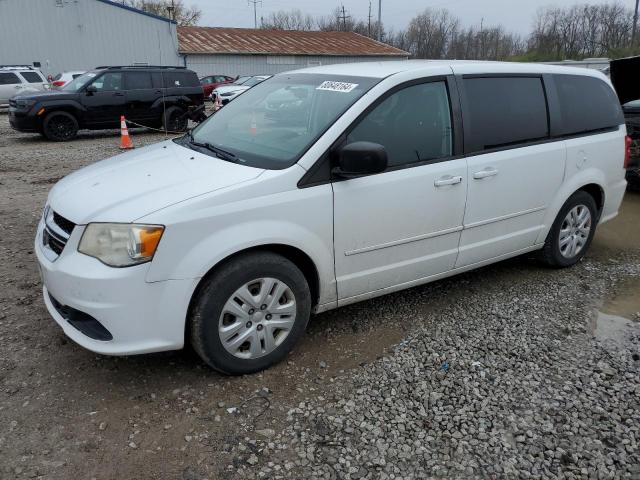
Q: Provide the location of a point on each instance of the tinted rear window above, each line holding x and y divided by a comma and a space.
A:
32, 77
138, 80
504, 111
180, 79
9, 78
587, 104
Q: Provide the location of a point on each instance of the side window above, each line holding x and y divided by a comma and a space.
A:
174, 79
504, 111
9, 78
586, 104
413, 124
206, 80
138, 80
109, 82
32, 77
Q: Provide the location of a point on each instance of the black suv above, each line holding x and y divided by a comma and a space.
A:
150, 96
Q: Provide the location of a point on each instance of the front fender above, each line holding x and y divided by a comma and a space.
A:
201, 235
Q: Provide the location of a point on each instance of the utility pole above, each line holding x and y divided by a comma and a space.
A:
255, 11
379, 20
343, 17
172, 10
369, 28
635, 23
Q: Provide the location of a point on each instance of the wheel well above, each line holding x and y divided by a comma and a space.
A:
597, 193
295, 255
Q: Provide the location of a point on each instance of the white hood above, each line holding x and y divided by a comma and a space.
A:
129, 186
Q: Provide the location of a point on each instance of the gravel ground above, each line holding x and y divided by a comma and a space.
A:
510, 371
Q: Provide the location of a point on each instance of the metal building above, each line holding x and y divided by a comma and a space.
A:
245, 51
61, 35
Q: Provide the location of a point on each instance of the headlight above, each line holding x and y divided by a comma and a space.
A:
120, 244
25, 103
227, 94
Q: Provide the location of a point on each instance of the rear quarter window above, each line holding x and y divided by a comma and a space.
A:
32, 77
173, 79
586, 104
503, 111
8, 78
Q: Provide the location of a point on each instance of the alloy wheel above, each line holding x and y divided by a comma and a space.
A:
574, 232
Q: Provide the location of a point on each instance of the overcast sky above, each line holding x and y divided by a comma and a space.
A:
514, 15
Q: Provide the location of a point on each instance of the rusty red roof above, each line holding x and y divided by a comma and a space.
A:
215, 40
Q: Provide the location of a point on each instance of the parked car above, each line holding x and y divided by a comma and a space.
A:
632, 118
149, 96
230, 236
211, 82
229, 92
18, 79
624, 73
61, 79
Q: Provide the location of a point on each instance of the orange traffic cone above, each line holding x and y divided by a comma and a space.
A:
125, 139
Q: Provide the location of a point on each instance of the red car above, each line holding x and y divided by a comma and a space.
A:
211, 82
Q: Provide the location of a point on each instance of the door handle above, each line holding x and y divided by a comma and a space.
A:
118, 94
487, 172
448, 180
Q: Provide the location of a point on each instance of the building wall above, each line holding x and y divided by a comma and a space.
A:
81, 35
267, 64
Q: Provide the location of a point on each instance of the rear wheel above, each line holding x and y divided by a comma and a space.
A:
60, 126
572, 231
175, 120
250, 313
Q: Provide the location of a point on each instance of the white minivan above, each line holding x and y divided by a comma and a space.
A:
366, 179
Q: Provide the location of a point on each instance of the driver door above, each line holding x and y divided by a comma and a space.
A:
401, 226
104, 107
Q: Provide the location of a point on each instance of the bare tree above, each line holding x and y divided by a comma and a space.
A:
580, 31
176, 10
288, 20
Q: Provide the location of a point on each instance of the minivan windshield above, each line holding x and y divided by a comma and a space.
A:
274, 123
78, 82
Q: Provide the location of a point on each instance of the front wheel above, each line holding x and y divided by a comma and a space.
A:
60, 126
250, 313
572, 231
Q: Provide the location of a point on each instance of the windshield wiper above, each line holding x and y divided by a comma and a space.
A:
219, 152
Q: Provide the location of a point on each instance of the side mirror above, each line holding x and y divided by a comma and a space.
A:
361, 158
91, 89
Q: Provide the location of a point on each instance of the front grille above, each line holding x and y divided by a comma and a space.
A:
52, 242
57, 231
63, 223
13, 103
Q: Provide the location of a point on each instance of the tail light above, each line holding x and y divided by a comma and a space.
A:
58, 83
627, 151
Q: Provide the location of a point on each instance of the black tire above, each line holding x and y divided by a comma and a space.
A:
175, 120
551, 253
60, 127
218, 288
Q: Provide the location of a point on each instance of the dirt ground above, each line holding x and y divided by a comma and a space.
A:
68, 413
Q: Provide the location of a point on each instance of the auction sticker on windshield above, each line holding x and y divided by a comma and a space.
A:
337, 86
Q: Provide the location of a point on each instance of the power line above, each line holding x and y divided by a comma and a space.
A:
255, 11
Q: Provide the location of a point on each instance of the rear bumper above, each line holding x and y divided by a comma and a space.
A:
613, 200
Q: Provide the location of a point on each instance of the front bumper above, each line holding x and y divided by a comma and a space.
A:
23, 122
140, 316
